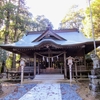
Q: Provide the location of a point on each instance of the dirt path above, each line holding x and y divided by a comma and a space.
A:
7, 89
84, 91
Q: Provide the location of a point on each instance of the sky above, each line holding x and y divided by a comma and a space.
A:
54, 10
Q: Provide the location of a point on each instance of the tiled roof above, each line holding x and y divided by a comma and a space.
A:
74, 37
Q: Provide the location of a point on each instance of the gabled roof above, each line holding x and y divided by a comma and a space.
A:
49, 34
60, 37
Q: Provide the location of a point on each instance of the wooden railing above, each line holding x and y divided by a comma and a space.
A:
82, 71
16, 74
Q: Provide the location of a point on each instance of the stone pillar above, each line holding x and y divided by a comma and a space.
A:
70, 63
22, 74
94, 78
1, 76
70, 71
22, 65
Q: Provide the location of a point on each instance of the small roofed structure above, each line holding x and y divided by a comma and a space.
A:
49, 49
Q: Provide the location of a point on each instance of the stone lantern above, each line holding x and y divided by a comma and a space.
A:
94, 78
22, 65
0, 79
70, 63
1, 85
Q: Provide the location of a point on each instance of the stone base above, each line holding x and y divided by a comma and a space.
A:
1, 89
95, 71
95, 94
95, 88
1, 92
94, 76
95, 81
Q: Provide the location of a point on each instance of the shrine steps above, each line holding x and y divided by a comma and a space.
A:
49, 77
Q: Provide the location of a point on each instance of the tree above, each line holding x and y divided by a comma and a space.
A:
9, 62
7, 12
41, 23
87, 30
73, 19
14, 18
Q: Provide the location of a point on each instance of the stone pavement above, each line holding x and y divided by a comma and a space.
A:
44, 91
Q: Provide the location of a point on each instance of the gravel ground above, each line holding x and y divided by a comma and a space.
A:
69, 92
84, 91
17, 92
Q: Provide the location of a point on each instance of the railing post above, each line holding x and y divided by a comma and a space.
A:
22, 74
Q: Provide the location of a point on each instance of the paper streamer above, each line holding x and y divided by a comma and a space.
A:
47, 59
43, 58
52, 58
57, 57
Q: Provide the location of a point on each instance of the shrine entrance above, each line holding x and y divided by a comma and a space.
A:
51, 64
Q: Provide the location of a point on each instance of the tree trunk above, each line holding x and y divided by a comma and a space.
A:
15, 34
7, 28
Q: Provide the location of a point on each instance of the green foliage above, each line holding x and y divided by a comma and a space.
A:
9, 7
14, 16
95, 10
17, 59
41, 23
15, 20
73, 18
9, 63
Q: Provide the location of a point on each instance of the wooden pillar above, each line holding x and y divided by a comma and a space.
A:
76, 70
14, 62
84, 58
49, 62
34, 64
61, 69
49, 52
65, 69
38, 66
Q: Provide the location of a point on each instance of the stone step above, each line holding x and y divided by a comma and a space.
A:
49, 77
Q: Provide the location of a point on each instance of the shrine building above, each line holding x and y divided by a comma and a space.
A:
47, 51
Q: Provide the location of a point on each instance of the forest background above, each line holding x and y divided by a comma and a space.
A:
16, 20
